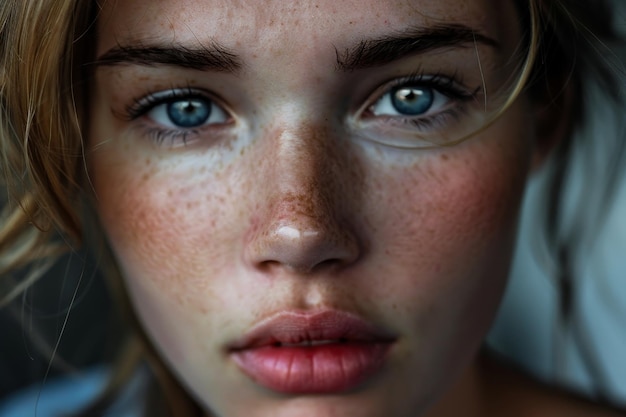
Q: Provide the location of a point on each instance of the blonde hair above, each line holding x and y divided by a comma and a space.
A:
41, 147
44, 45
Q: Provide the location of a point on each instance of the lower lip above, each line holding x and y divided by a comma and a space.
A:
320, 369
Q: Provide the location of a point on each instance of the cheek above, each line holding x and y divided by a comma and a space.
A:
162, 220
445, 229
462, 205
459, 202
172, 230
447, 225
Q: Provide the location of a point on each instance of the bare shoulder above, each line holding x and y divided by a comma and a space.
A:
513, 393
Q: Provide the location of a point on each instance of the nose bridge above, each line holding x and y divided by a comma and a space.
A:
302, 224
304, 184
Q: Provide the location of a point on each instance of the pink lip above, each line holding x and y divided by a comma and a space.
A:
312, 353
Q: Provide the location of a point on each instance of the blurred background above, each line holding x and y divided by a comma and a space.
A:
40, 325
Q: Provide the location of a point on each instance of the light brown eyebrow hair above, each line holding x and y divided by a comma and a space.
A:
212, 57
384, 50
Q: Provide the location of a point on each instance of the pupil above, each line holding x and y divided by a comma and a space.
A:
189, 113
412, 100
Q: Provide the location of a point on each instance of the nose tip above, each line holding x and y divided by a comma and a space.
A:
303, 244
302, 222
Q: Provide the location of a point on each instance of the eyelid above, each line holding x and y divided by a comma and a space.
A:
142, 105
449, 86
434, 128
176, 136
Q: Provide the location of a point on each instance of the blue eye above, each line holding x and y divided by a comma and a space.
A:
183, 111
420, 111
409, 100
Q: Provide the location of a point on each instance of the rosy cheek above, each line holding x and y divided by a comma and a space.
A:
163, 221
461, 196
447, 224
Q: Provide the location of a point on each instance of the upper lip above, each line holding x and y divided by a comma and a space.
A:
300, 327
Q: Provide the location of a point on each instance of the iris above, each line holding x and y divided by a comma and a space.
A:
189, 113
411, 100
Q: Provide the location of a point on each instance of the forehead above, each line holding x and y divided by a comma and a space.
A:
250, 24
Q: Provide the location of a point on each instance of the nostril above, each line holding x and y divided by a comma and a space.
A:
269, 265
328, 263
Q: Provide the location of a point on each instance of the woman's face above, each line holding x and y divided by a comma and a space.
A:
265, 173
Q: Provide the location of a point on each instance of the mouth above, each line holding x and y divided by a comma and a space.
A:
312, 353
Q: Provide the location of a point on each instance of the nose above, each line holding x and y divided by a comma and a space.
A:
303, 224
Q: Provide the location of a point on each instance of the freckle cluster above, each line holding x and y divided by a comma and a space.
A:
329, 179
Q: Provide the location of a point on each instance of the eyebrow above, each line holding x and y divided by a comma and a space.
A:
212, 57
380, 51
366, 54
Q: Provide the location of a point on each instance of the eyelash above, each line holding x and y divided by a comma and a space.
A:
449, 86
163, 135
141, 106
171, 137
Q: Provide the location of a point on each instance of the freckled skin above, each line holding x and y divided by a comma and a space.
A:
416, 241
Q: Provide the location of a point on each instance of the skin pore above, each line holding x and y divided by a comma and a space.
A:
303, 192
